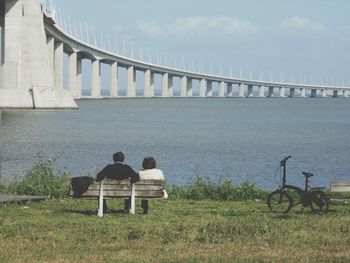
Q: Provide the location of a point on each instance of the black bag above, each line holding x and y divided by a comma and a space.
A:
80, 185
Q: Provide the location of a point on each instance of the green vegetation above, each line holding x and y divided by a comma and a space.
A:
203, 222
43, 179
224, 190
2, 187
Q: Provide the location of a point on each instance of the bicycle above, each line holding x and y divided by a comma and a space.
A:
288, 196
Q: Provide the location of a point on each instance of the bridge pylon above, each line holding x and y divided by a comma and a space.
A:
26, 74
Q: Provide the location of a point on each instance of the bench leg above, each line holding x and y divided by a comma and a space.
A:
100, 201
132, 207
144, 205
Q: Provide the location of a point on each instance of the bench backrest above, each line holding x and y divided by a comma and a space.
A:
111, 188
340, 186
147, 189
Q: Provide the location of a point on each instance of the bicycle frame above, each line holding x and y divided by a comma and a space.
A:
303, 194
283, 165
284, 198
305, 197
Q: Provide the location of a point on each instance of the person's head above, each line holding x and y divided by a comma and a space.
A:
149, 163
118, 157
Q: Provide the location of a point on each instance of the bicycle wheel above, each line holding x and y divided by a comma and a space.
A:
319, 202
279, 202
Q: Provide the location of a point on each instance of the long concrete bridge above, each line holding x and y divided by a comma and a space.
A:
33, 65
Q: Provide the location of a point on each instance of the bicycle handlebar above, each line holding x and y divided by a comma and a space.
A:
285, 159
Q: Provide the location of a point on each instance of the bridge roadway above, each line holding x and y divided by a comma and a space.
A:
61, 41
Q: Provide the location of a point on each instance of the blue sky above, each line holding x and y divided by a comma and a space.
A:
283, 39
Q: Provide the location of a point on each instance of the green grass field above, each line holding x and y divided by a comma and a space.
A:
68, 230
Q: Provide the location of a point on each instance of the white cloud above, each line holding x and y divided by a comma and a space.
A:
121, 31
298, 24
151, 29
200, 27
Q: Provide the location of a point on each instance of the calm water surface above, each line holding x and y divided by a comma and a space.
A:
235, 138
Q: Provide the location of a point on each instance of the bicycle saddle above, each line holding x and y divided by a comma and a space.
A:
308, 174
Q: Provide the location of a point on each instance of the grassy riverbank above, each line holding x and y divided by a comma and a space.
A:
68, 230
204, 221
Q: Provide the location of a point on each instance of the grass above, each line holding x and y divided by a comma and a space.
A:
68, 230
205, 221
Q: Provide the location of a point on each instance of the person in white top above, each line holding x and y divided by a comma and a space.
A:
150, 173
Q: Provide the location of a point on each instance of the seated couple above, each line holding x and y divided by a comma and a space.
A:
121, 171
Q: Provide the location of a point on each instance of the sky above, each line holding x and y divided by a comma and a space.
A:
282, 40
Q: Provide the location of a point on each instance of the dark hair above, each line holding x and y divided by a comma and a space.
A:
149, 163
118, 157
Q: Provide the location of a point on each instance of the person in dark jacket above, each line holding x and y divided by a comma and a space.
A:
118, 171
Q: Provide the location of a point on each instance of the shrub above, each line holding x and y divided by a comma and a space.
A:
248, 191
43, 179
2, 187
176, 192
223, 190
201, 188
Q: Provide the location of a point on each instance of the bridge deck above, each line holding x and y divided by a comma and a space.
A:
18, 199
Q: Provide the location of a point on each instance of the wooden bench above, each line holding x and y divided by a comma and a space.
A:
340, 186
124, 189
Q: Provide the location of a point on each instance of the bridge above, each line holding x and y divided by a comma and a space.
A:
33, 46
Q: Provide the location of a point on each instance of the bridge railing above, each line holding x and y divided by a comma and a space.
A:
109, 43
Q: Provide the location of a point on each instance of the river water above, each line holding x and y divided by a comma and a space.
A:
213, 137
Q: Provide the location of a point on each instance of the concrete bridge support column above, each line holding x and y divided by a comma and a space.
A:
131, 89
72, 73
229, 90
291, 92
250, 90
59, 65
202, 87
165, 89
170, 86
335, 94
302, 93
222, 89
114, 88
96, 78
209, 88
12, 35
323, 93
270, 92
183, 86
79, 79
50, 41
241, 90
282, 92
189, 91
313, 93
345, 94
151, 90
261, 91
147, 83
31, 77
2, 59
